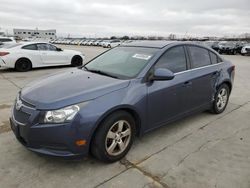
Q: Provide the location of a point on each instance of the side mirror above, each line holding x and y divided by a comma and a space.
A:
59, 49
162, 74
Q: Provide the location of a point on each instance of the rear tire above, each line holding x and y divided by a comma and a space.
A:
76, 61
221, 99
23, 65
114, 137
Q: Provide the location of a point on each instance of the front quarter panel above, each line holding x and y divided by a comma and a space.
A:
132, 97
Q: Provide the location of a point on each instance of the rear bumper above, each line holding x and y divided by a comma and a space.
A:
50, 140
245, 51
2, 63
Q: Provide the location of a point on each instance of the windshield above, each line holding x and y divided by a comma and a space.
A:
122, 62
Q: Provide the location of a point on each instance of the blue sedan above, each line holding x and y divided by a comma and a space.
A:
100, 108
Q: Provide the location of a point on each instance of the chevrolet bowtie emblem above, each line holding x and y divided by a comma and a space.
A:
19, 104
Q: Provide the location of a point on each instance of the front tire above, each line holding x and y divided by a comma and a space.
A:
114, 137
76, 61
221, 99
23, 65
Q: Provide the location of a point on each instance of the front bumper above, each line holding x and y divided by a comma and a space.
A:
226, 51
50, 139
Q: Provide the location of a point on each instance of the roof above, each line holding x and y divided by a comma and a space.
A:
30, 42
151, 44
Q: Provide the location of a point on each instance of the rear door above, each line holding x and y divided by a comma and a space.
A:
50, 55
203, 76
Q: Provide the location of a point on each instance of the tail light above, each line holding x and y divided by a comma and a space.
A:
4, 53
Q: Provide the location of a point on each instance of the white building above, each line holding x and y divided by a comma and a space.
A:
35, 33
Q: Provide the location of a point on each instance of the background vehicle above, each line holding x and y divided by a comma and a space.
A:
24, 56
245, 50
97, 42
127, 91
239, 46
112, 43
84, 43
227, 48
209, 43
7, 40
215, 46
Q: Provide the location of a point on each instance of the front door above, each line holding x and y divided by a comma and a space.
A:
50, 55
167, 99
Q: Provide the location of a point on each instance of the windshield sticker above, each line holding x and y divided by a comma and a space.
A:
142, 56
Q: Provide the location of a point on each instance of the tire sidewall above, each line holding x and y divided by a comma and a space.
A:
98, 145
18, 66
74, 63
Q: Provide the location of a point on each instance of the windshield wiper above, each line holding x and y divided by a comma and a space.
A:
100, 72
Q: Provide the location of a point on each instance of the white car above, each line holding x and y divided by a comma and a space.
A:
245, 50
25, 56
7, 40
111, 44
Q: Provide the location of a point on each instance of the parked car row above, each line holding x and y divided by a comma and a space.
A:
229, 47
90, 42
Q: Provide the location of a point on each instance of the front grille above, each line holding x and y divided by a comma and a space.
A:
22, 110
248, 49
20, 116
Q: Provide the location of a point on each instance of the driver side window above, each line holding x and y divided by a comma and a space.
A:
173, 59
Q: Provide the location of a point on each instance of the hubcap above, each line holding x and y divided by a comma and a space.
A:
222, 99
118, 137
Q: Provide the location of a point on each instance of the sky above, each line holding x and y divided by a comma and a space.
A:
101, 18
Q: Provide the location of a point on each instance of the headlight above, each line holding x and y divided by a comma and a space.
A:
61, 115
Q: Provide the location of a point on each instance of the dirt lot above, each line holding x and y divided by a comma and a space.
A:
203, 150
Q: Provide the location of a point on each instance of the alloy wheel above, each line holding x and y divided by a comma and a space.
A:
221, 100
118, 138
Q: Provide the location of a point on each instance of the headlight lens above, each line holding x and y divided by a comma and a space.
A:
62, 115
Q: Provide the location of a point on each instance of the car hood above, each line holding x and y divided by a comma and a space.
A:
69, 87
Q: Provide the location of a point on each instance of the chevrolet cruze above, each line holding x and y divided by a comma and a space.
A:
125, 92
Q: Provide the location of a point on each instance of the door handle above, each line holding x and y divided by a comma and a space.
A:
187, 84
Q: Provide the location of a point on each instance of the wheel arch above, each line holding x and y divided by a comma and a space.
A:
228, 83
127, 108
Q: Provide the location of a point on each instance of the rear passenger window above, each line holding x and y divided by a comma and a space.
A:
174, 60
214, 58
30, 47
199, 56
